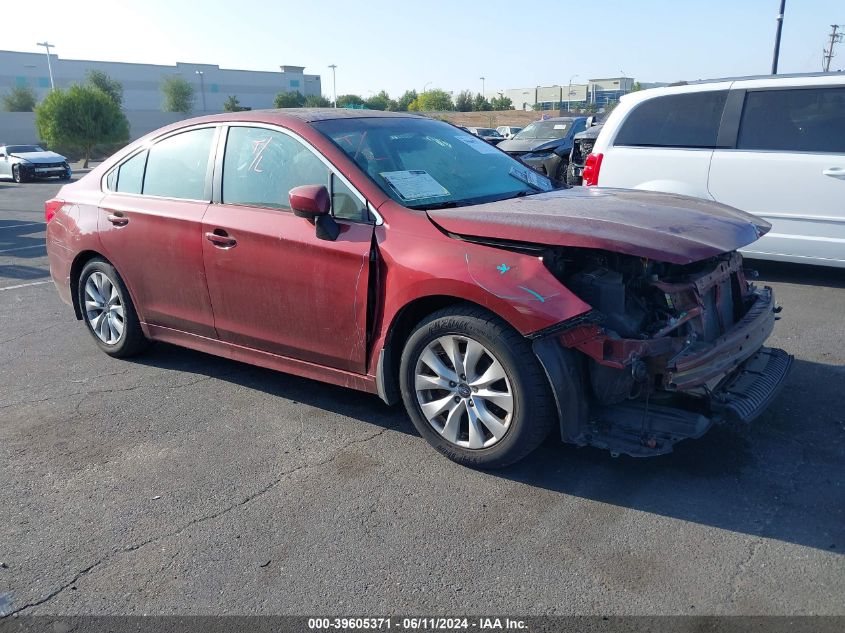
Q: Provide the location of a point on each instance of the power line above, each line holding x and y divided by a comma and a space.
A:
828, 52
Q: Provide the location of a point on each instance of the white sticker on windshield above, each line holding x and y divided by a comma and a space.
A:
531, 177
481, 146
414, 184
560, 126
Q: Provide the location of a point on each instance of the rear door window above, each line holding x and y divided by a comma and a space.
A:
684, 120
178, 165
796, 120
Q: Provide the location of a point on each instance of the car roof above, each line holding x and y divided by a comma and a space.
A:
307, 115
749, 77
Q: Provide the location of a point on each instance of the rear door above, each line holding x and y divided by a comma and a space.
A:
150, 225
665, 144
789, 168
275, 286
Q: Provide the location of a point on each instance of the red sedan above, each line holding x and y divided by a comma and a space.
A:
405, 257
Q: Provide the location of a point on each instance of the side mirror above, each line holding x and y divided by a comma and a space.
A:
309, 201
314, 203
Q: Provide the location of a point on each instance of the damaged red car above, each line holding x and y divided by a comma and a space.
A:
407, 258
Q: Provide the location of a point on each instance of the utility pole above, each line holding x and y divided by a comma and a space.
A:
776, 53
334, 85
828, 52
48, 46
482, 85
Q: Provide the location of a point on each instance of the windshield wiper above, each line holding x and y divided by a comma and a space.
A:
451, 204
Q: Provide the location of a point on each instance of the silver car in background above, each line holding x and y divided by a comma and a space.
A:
22, 163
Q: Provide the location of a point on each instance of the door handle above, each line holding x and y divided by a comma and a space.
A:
835, 172
118, 219
221, 239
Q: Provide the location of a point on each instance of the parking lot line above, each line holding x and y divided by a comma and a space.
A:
17, 226
34, 283
23, 248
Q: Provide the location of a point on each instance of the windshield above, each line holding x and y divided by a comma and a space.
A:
422, 164
483, 131
544, 129
23, 149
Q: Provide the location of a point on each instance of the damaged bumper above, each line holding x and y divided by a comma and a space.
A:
693, 384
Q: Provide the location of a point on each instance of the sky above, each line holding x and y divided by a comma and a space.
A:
396, 45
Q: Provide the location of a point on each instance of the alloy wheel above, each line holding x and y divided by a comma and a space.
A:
464, 392
104, 309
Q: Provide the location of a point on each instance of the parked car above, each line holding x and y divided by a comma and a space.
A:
545, 145
772, 146
486, 133
397, 255
582, 146
508, 131
30, 162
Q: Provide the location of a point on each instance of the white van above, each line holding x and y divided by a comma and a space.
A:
773, 146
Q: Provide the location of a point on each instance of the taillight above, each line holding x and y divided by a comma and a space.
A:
591, 169
51, 208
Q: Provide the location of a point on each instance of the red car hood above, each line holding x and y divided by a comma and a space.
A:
659, 226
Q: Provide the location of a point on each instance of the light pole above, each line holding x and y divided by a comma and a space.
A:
47, 47
202, 87
778, 29
569, 93
482, 85
334, 85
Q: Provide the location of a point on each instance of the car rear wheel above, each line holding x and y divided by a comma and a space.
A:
474, 389
108, 311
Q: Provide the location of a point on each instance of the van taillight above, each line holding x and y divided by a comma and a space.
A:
591, 170
51, 208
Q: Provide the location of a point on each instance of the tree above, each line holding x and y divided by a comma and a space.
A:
406, 99
636, 87
232, 104
381, 101
289, 100
436, 100
112, 87
178, 95
463, 102
20, 99
317, 101
480, 103
80, 117
349, 100
501, 103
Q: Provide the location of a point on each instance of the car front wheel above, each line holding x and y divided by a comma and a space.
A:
474, 389
108, 311
17, 174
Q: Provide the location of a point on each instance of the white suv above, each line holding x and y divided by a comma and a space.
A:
772, 146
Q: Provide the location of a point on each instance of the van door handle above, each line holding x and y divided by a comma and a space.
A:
835, 172
221, 239
117, 218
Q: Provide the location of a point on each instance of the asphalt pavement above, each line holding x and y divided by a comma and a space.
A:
182, 483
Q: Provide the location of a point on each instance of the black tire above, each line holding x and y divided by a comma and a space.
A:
131, 340
561, 171
571, 179
533, 405
17, 175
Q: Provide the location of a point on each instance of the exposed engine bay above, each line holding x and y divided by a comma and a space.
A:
668, 349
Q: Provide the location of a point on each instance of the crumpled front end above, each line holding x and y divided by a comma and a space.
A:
668, 351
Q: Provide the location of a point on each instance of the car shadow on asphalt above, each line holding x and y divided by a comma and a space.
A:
22, 239
780, 477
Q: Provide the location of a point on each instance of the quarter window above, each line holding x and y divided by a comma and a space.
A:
130, 175
798, 120
261, 166
177, 166
684, 120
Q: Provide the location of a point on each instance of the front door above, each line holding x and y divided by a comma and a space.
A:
274, 285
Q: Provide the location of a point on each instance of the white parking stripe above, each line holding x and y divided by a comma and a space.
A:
17, 226
34, 283
23, 248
